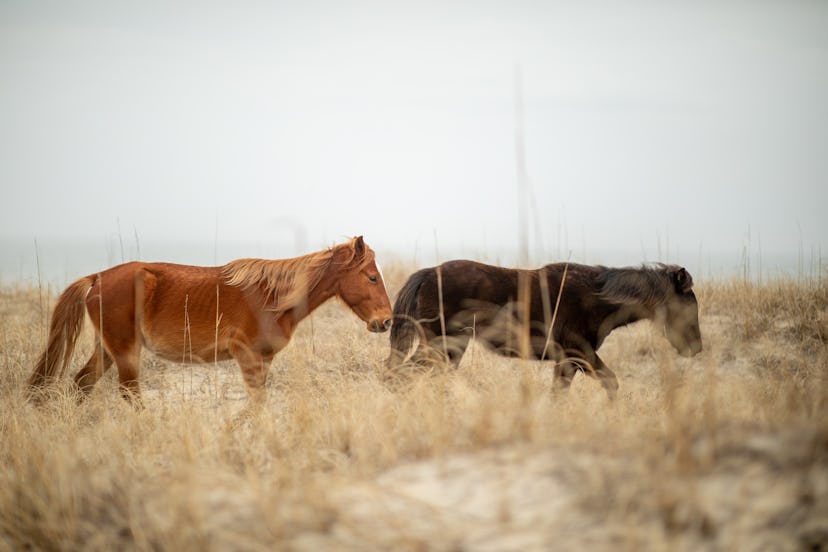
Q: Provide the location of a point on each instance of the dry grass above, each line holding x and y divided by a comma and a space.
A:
728, 450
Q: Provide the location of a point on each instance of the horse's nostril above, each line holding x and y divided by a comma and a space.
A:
387, 323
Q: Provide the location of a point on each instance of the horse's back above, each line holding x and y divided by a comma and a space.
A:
157, 289
471, 280
464, 280
167, 282
158, 282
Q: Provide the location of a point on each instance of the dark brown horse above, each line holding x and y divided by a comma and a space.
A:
561, 312
247, 310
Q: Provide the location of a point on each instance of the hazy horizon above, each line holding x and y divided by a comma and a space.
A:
58, 262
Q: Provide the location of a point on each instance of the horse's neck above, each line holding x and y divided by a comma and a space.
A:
621, 316
322, 292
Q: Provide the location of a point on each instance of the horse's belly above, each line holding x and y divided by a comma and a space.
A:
536, 348
185, 352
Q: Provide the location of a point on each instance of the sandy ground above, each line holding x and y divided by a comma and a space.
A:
520, 498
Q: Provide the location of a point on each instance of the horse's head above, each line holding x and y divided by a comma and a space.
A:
681, 313
361, 287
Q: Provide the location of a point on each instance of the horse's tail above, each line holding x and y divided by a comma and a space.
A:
65, 327
406, 326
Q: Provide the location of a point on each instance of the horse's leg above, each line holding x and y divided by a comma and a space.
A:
254, 368
592, 365
455, 355
438, 352
98, 363
128, 363
606, 376
565, 370
429, 348
456, 348
122, 342
115, 306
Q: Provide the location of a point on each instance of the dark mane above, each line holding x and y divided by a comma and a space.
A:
647, 285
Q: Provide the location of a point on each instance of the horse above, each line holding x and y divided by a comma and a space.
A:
561, 312
246, 310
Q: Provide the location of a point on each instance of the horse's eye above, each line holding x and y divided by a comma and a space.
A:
373, 278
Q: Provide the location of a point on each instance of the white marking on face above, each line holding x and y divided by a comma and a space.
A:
379, 269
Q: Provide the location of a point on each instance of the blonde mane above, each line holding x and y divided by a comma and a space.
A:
286, 282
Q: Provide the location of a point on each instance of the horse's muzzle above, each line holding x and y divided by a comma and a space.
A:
379, 327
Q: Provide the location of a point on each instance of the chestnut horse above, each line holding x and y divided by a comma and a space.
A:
561, 312
246, 310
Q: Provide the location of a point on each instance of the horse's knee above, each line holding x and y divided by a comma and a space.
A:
254, 367
608, 379
257, 395
127, 365
254, 378
254, 373
610, 385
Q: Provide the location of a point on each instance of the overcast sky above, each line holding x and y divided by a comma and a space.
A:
672, 129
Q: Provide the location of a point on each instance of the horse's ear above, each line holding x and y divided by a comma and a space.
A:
682, 279
359, 247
